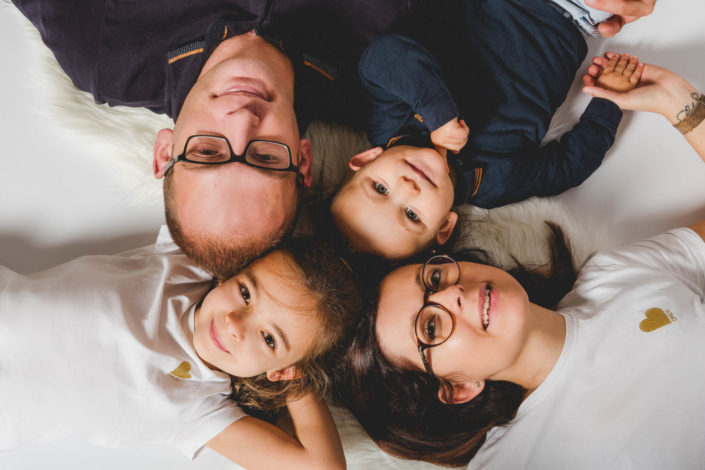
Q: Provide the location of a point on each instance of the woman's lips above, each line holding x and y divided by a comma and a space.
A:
487, 296
215, 339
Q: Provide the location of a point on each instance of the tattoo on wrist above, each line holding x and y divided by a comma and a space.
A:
685, 112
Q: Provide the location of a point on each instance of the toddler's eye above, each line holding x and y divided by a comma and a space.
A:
269, 339
413, 216
245, 293
380, 188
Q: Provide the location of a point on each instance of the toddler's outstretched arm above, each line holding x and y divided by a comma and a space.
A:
254, 443
659, 91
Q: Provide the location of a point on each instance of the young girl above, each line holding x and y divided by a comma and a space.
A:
457, 365
505, 66
134, 348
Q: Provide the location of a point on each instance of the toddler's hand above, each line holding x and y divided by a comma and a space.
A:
452, 135
614, 72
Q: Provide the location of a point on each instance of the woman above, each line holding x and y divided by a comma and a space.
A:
612, 379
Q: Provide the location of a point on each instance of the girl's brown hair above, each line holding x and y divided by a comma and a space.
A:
331, 292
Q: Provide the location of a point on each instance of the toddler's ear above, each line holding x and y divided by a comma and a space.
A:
362, 159
446, 229
286, 373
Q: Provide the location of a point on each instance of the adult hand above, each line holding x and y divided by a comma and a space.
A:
659, 90
624, 11
452, 135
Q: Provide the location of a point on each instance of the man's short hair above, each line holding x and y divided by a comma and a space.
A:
218, 254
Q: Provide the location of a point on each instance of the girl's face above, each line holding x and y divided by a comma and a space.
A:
481, 346
258, 321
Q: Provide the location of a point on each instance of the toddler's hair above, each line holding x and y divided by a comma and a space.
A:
330, 289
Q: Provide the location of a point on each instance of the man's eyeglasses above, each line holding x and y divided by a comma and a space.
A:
216, 150
434, 323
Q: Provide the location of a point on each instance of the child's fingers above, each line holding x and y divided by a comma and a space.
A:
588, 80
636, 76
611, 55
600, 61
594, 71
621, 63
611, 63
631, 66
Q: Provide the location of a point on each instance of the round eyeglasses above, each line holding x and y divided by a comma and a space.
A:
216, 150
434, 323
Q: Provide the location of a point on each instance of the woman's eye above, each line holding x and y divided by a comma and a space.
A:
429, 329
435, 279
413, 216
380, 188
245, 293
269, 339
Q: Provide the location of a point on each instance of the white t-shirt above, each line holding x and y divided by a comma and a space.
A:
102, 348
628, 391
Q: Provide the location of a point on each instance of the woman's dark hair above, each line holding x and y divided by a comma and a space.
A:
332, 293
399, 406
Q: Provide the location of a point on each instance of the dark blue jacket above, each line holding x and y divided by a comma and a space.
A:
508, 64
149, 53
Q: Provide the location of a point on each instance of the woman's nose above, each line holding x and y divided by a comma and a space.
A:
452, 298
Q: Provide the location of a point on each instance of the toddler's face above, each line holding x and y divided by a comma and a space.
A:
258, 321
397, 202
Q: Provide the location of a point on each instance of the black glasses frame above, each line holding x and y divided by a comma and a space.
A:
234, 157
421, 346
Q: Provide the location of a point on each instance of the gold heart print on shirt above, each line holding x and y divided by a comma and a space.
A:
182, 371
655, 319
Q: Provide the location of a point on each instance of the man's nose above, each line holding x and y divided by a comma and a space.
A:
241, 127
236, 325
452, 298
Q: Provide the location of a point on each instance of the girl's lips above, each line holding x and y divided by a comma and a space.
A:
215, 339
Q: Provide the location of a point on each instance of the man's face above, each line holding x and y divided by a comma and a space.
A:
245, 91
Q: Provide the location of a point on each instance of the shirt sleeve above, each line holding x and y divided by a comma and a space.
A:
401, 79
555, 167
679, 253
207, 425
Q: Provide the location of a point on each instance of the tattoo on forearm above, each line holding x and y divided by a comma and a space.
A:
685, 112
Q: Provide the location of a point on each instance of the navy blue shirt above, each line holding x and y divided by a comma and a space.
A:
149, 53
508, 65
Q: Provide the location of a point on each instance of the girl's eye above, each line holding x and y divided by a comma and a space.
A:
380, 188
413, 216
269, 339
245, 293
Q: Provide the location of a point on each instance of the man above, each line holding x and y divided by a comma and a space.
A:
235, 162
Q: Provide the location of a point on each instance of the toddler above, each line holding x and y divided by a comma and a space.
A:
509, 69
134, 348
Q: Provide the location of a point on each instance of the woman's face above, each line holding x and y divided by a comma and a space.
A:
260, 320
486, 342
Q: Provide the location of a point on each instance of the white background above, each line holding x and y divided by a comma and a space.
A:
60, 199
